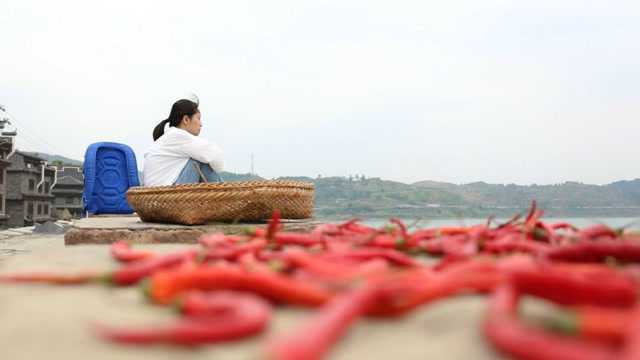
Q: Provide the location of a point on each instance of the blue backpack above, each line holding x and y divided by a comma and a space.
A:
110, 169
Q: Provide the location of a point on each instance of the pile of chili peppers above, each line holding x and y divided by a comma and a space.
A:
226, 288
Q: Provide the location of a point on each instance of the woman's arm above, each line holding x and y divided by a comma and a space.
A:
204, 151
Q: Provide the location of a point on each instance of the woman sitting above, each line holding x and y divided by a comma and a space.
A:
178, 155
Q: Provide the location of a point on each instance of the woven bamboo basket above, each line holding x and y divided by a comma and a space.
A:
193, 204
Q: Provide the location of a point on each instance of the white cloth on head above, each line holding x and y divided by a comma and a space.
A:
168, 155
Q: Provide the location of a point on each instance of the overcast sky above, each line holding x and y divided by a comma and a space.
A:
459, 91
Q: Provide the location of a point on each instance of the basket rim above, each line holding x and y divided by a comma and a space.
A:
223, 186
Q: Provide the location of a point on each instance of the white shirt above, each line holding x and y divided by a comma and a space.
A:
168, 155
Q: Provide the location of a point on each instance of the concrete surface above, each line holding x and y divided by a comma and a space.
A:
106, 230
53, 323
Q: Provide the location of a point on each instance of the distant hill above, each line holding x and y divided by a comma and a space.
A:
229, 176
51, 158
376, 197
564, 195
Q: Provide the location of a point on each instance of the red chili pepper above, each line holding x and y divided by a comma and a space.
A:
459, 245
515, 243
509, 335
353, 227
365, 254
302, 239
122, 252
632, 339
531, 228
235, 251
455, 230
315, 338
283, 289
424, 234
510, 222
348, 241
50, 278
216, 240
332, 270
402, 227
543, 232
596, 251
250, 262
131, 274
165, 286
371, 269
256, 232
274, 225
591, 322
532, 211
432, 246
568, 288
563, 225
597, 231
209, 318
128, 274
383, 241
319, 266
404, 293
420, 236
348, 223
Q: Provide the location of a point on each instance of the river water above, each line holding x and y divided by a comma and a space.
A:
631, 223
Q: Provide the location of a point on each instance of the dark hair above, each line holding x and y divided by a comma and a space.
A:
179, 109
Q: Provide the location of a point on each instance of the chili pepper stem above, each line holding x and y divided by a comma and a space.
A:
565, 322
147, 289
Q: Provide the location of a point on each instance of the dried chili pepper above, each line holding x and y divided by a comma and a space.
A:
209, 318
509, 335
133, 273
510, 222
233, 252
563, 225
403, 293
274, 225
166, 286
596, 251
51, 278
568, 288
122, 252
302, 239
128, 274
515, 243
596, 232
316, 336
597, 323
369, 253
632, 337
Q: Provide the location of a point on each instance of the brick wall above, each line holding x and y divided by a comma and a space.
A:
17, 162
15, 210
14, 185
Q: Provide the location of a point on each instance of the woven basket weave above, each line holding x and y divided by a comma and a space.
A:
193, 204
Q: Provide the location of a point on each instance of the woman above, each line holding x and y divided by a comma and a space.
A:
178, 155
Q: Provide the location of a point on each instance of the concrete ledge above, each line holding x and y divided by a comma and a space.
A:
106, 230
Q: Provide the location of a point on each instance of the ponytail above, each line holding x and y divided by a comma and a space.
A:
179, 109
159, 129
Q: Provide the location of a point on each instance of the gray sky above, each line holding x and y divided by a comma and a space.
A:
499, 91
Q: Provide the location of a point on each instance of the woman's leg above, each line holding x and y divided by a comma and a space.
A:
209, 174
189, 174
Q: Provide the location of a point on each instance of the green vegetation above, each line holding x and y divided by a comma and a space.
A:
374, 197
